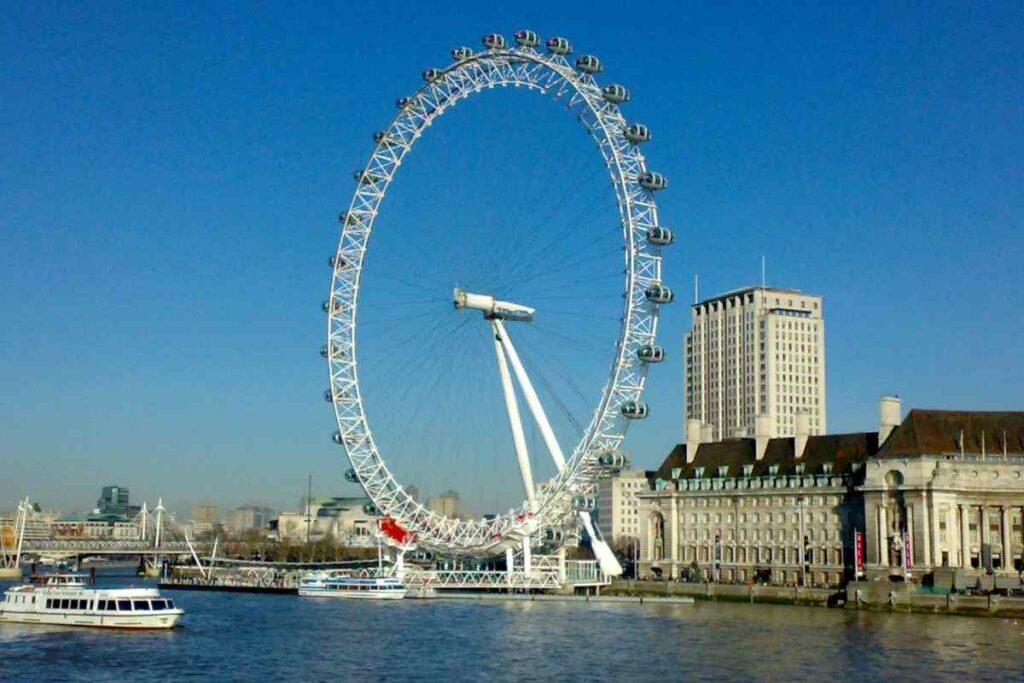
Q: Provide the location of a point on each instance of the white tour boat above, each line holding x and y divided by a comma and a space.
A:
64, 600
321, 586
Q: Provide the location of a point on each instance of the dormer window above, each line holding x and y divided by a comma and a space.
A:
676, 471
800, 468
827, 468
723, 470
699, 471
773, 470
748, 470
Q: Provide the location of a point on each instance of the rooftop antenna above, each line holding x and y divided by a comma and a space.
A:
982, 444
696, 288
762, 273
1004, 445
961, 444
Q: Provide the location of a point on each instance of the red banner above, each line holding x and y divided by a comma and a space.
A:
908, 550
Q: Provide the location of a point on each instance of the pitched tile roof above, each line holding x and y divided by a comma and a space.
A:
937, 432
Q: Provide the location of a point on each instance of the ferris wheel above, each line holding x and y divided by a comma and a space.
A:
568, 498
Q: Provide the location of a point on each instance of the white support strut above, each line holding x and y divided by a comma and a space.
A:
531, 398
514, 418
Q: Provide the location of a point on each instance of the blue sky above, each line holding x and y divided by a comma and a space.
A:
169, 181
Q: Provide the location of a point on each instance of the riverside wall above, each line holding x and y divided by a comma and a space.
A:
864, 595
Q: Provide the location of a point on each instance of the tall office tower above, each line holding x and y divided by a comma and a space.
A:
758, 351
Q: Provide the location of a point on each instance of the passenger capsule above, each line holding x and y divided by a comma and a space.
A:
371, 509
431, 75
583, 504
351, 476
559, 46
652, 181
494, 41
339, 262
612, 460
405, 102
615, 93
637, 133
589, 64
326, 351
380, 137
651, 353
526, 38
660, 236
461, 54
659, 294
634, 410
336, 438
328, 396
364, 177
323, 351
327, 306
553, 534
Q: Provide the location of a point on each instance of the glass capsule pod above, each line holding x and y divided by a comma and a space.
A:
431, 74
634, 410
365, 177
659, 293
403, 102
612, 460
637, 133
336, 438
371, 509
651, 353
461, 54
589, 64
323, 351
328, 396
660, 236
652, 181
559, 46
552, 534
583, 503
380, 137
526, 38
494, 41
351, 476
346, 218
331, 350
615, 93
338, 262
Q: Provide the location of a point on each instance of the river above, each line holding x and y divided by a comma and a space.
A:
236, 637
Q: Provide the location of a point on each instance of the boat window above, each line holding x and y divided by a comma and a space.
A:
49, 603
159, 604
111, 605
124, 605
141, 605
65, 603
170, 604
101, 605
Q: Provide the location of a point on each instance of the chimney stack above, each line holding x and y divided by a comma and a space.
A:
693, 430
707, 433
888, 417
803, 430
762, 433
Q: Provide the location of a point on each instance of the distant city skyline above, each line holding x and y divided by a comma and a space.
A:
172, 179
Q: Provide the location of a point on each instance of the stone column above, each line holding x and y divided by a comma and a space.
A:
883, 537
913, 541
1007, 544
673, 534
965, 537
927, 522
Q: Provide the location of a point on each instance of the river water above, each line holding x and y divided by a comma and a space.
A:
239, 637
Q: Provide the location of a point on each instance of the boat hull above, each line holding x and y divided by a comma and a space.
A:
352, 595
164, 620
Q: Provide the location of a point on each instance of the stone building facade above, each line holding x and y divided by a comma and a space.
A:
945, 488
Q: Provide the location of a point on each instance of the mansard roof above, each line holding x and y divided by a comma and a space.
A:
839, 450
938, 432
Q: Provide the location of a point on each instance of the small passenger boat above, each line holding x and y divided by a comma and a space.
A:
64, 600
320, 586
